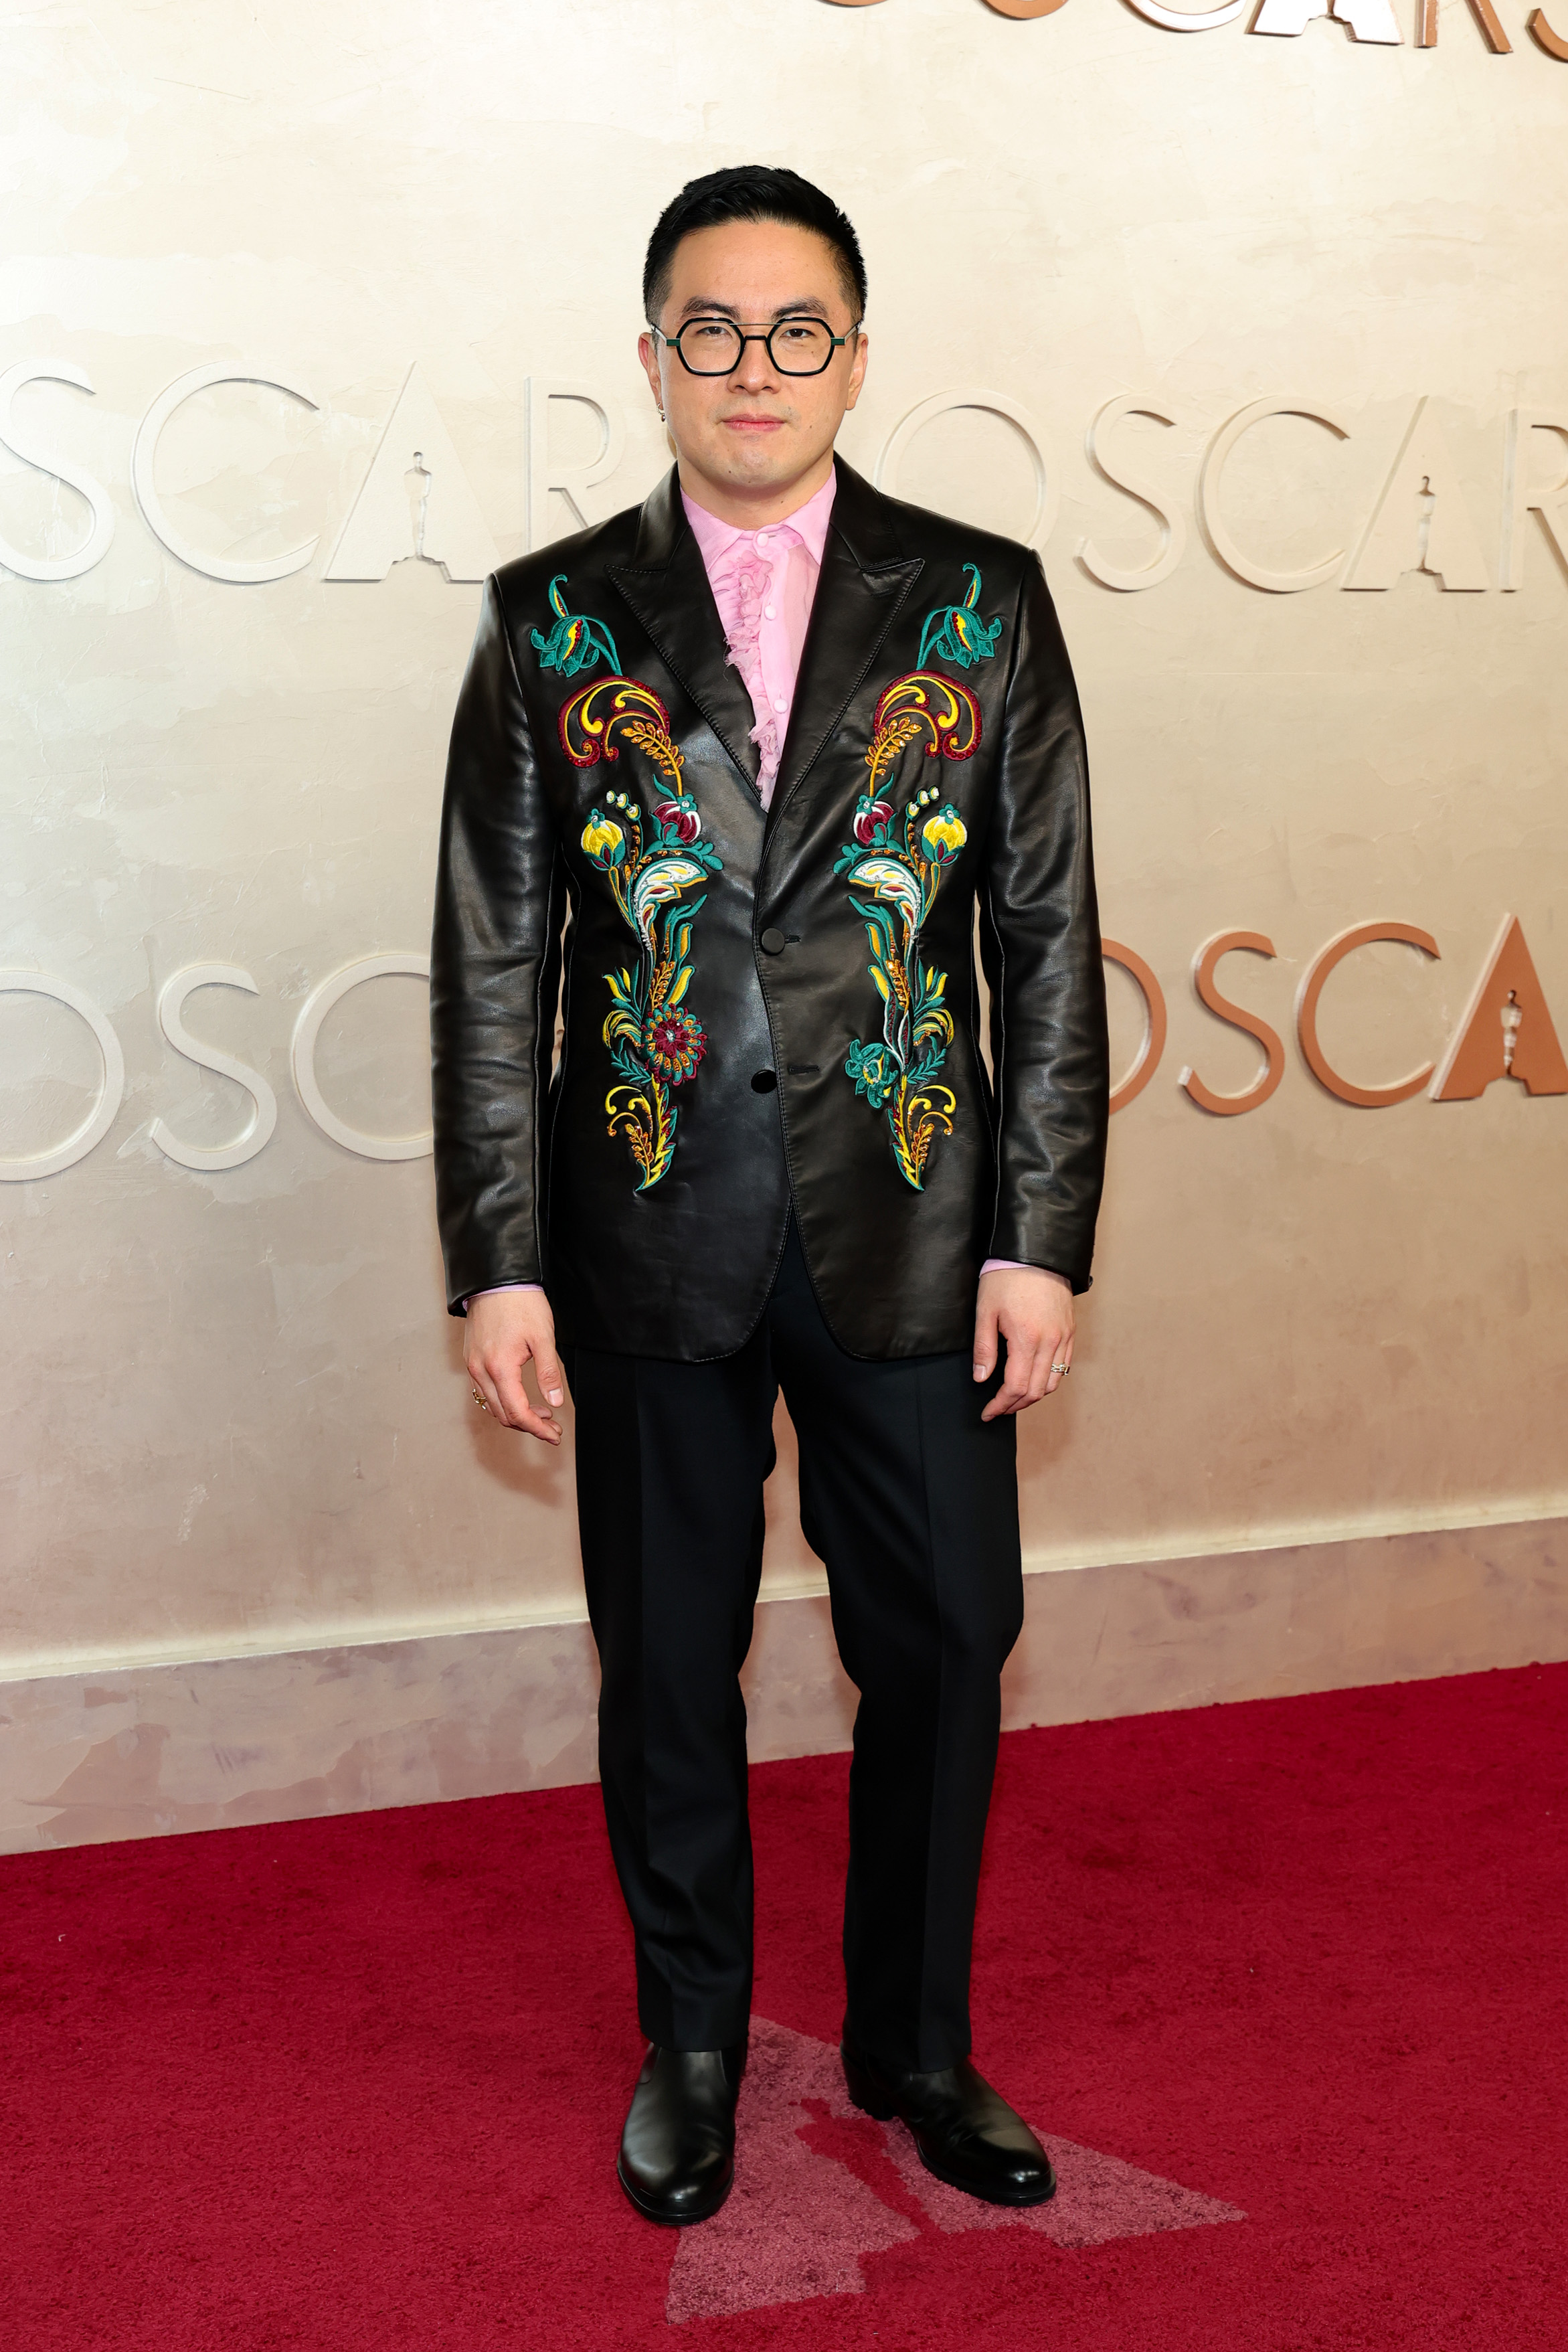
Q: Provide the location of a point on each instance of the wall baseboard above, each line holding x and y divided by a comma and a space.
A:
143, 1750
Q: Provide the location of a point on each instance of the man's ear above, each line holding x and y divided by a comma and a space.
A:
858, 368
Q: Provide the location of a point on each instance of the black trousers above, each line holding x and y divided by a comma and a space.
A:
911, 1502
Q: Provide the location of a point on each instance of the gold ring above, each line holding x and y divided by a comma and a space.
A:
479, 1400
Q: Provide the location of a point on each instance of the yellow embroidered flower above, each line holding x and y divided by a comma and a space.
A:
603, 840
944, 836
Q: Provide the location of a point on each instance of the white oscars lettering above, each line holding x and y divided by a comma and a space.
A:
1185, 20
1421, 522
1519, 500
1121, 476
256, 1133
143, 477
543, 474
21, 444
302, 1057
416, 500
1369, 20
1046, 480
1277, 583
110, 1093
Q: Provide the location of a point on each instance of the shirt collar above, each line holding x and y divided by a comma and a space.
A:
716, 538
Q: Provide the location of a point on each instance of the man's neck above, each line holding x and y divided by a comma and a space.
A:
754, 509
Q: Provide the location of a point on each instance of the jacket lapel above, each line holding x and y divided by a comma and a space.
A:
864, 580
666, 586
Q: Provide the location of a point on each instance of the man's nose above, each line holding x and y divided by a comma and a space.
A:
754, 370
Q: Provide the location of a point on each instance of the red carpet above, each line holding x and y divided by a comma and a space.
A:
1285, 1983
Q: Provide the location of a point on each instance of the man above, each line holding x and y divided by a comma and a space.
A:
759, 746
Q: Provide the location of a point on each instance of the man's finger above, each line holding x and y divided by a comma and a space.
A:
985, 1342
548, 1372
1015, 1382
517, 1408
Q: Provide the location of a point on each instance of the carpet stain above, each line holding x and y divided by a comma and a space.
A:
818, 2185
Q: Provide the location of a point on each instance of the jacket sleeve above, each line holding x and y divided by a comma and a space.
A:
494, 970
1039, 945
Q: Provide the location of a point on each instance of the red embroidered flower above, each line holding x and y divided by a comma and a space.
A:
673, 1044
680, 816
869, 818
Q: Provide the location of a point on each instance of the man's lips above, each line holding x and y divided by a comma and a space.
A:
752, 423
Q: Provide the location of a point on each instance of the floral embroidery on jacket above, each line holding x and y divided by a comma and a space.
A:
901, 866
648, 861
956, 632
575, 643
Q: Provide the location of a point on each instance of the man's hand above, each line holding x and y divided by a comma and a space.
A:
1032, 1309
504, 1330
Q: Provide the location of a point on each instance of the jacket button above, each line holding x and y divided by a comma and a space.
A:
774, 942
764, 1083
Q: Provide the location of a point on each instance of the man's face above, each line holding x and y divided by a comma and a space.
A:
756, 429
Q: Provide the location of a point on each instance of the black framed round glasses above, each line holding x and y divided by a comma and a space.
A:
716, 346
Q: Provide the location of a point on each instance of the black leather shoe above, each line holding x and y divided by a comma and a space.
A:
677, 2151
965, 2134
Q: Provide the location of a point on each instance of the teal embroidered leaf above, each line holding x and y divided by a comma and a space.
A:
576, 641
956, 633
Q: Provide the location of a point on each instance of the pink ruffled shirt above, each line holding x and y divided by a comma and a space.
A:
763, 584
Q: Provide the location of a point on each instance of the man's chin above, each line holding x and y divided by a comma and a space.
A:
759, 460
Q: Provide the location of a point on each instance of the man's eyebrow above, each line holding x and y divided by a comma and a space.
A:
701, 305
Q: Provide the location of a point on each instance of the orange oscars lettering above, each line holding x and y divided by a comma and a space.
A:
1238, 1018
1147, 1059
1366, 20
1506, 1032
1360, 935
1496, 39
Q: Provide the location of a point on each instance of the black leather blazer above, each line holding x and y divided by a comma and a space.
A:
766, 1006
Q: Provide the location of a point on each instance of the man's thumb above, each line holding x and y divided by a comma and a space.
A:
985, 1345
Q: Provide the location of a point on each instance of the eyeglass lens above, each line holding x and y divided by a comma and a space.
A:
714, 346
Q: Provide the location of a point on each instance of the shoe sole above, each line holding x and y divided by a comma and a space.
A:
884, 2111
650, 2212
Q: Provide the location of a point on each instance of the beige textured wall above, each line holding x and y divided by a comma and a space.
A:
234, 1411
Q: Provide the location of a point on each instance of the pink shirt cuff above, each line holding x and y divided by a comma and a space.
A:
992, 1266
1019, 1265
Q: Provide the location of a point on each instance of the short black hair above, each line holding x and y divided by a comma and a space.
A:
749, 192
